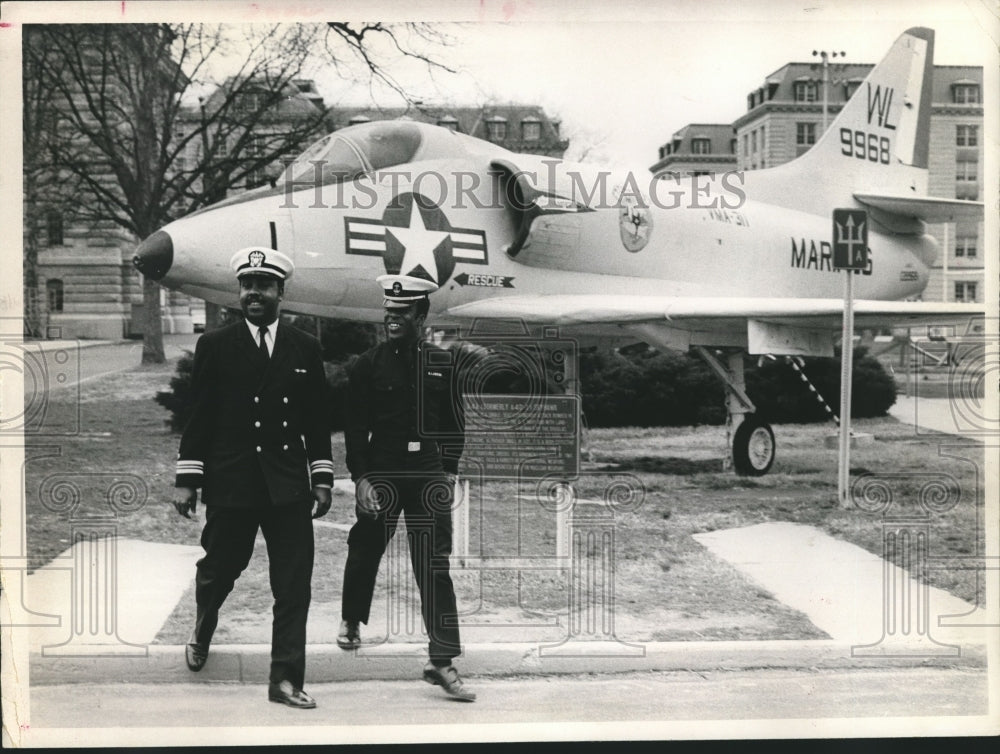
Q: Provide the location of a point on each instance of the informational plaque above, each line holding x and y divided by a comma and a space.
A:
521, 436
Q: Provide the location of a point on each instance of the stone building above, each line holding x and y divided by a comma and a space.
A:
525, 129
697, 149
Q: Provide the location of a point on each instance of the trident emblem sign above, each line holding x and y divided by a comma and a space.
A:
850, 239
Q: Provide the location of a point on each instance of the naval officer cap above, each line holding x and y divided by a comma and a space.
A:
403, 290
260, 260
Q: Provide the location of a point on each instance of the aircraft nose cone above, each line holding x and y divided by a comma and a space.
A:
154, 255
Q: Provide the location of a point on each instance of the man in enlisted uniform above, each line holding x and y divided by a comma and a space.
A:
258, 446
404, 437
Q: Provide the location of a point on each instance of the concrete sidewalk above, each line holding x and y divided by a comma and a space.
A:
839, 586
964, 416
249, 663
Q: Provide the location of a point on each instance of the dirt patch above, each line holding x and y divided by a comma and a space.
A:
661, 584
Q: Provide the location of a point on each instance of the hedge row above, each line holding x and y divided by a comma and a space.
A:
632, 387
647, 388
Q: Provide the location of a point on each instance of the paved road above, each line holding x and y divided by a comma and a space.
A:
650, 702
81, 361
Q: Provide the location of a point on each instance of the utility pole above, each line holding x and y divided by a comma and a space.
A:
824, 58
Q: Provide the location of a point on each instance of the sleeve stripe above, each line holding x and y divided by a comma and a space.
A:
316, 467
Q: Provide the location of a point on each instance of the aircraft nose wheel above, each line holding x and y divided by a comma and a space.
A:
753, 447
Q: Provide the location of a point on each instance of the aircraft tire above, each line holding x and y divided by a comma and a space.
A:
753, 447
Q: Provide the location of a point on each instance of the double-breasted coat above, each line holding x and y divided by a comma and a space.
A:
256, 444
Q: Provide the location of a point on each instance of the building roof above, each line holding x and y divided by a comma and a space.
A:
778, 88
473, 121
300, 100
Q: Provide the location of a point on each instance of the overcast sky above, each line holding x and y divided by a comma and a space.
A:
623, 75
626, 75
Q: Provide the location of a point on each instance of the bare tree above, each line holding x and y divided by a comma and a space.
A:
135, 146
375, 45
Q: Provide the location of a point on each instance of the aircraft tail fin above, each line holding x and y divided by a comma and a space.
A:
880, 139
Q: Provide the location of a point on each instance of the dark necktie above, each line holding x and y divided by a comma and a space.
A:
263, 343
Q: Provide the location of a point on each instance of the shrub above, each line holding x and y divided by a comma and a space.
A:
637, 387
339, 338
646, 388
178, 399
780, 395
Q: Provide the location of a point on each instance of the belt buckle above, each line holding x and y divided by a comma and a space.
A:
412, 447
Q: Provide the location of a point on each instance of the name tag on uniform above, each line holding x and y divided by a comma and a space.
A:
413, 446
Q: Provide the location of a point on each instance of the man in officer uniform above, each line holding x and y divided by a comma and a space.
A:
404, 437
258, 446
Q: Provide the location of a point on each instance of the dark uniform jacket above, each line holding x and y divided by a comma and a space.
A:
258, 434
398, 396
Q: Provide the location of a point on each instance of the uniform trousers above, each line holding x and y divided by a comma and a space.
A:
415, 485
228, 540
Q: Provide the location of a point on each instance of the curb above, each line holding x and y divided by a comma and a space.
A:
66, 343
236, 663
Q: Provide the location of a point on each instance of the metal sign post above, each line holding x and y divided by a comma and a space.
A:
850, 253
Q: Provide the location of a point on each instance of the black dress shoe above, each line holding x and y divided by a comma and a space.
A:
350, 635
195, 655
447, 678
286, 693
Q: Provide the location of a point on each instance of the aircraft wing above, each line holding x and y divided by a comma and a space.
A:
583, 309
930, 209
779, 326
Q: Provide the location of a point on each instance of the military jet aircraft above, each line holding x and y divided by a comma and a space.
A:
739, 263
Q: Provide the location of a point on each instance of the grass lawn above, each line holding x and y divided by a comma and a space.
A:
667, 586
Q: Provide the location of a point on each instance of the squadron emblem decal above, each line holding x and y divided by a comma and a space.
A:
415, 238
635, 223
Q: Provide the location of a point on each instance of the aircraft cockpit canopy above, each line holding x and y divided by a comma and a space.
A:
354, 151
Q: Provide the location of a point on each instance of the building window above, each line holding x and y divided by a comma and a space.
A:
701, 146
531, 130
54, 228
967, 191
753, 141
805, 91
248, 102
496, 130
449, 122
255, 147
965, 292
965, 246
54, 293
965, 170
850, 88
805, 134
746, 145
732, 145
966, 136
965, 94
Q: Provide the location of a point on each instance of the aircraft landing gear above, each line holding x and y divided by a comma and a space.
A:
753, 447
